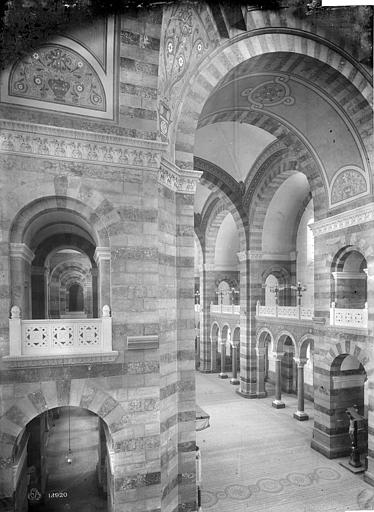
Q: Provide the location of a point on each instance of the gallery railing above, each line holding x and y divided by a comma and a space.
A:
54, 337
227, 309
344, 317
293, 312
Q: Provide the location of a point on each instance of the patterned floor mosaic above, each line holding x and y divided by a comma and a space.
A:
258, 459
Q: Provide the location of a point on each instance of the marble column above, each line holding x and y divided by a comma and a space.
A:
261, 355
277, 402
102, 259
300, 414
234, 380
223, 374
21, 258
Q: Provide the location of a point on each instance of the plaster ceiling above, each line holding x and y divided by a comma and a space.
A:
232, 146
202, 194
300, 104
227, 245
282, 214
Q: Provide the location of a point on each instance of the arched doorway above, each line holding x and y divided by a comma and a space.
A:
288, 367
65, 462
76, 300
348, 386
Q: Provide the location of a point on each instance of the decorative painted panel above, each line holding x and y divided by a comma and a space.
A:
57, 74
347, 184
188, 36
270, 93
67, 74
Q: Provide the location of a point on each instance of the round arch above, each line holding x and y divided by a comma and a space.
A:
279, 341
213, 223
222, 60
261, 336
305, 342
30, 218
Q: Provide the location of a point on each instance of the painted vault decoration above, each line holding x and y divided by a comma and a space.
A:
59, 75
64, 74
270, 93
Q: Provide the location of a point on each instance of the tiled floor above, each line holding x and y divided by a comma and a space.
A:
258, 459
77, 480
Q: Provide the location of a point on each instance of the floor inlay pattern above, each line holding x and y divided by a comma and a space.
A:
256, 458
269, 485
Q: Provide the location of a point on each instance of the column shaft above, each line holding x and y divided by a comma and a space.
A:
300, 414
277, 403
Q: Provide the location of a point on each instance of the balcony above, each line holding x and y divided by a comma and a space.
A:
58, 341
225, 309
289, 312
352, 318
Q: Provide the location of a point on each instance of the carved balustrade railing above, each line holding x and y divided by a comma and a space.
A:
55, 337
344, 317
293, 312
226, 309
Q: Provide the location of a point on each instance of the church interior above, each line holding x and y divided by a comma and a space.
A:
186, 256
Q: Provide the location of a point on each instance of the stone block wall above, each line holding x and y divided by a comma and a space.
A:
332, 344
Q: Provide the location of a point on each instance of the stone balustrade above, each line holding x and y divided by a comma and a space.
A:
55, 337
344, 317
226, 309
292, 312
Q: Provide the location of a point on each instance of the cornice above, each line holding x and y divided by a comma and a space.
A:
176, 179
28, 139
343, 220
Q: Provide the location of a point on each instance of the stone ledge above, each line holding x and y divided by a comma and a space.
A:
142, 342
59, 360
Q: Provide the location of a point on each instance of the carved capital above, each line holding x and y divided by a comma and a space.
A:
179, 180
101, 254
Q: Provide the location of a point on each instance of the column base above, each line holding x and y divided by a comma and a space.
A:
223, 376
234, 381
204, 371
246, 395
352, 469
300, 416
278, 404
261, 394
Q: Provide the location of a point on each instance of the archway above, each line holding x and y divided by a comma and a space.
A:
348, 378
43, 234
65, 460
264, 364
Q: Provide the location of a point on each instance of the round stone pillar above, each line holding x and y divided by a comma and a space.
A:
222, 374
234, 380
261, 353
277, 402
300, 414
